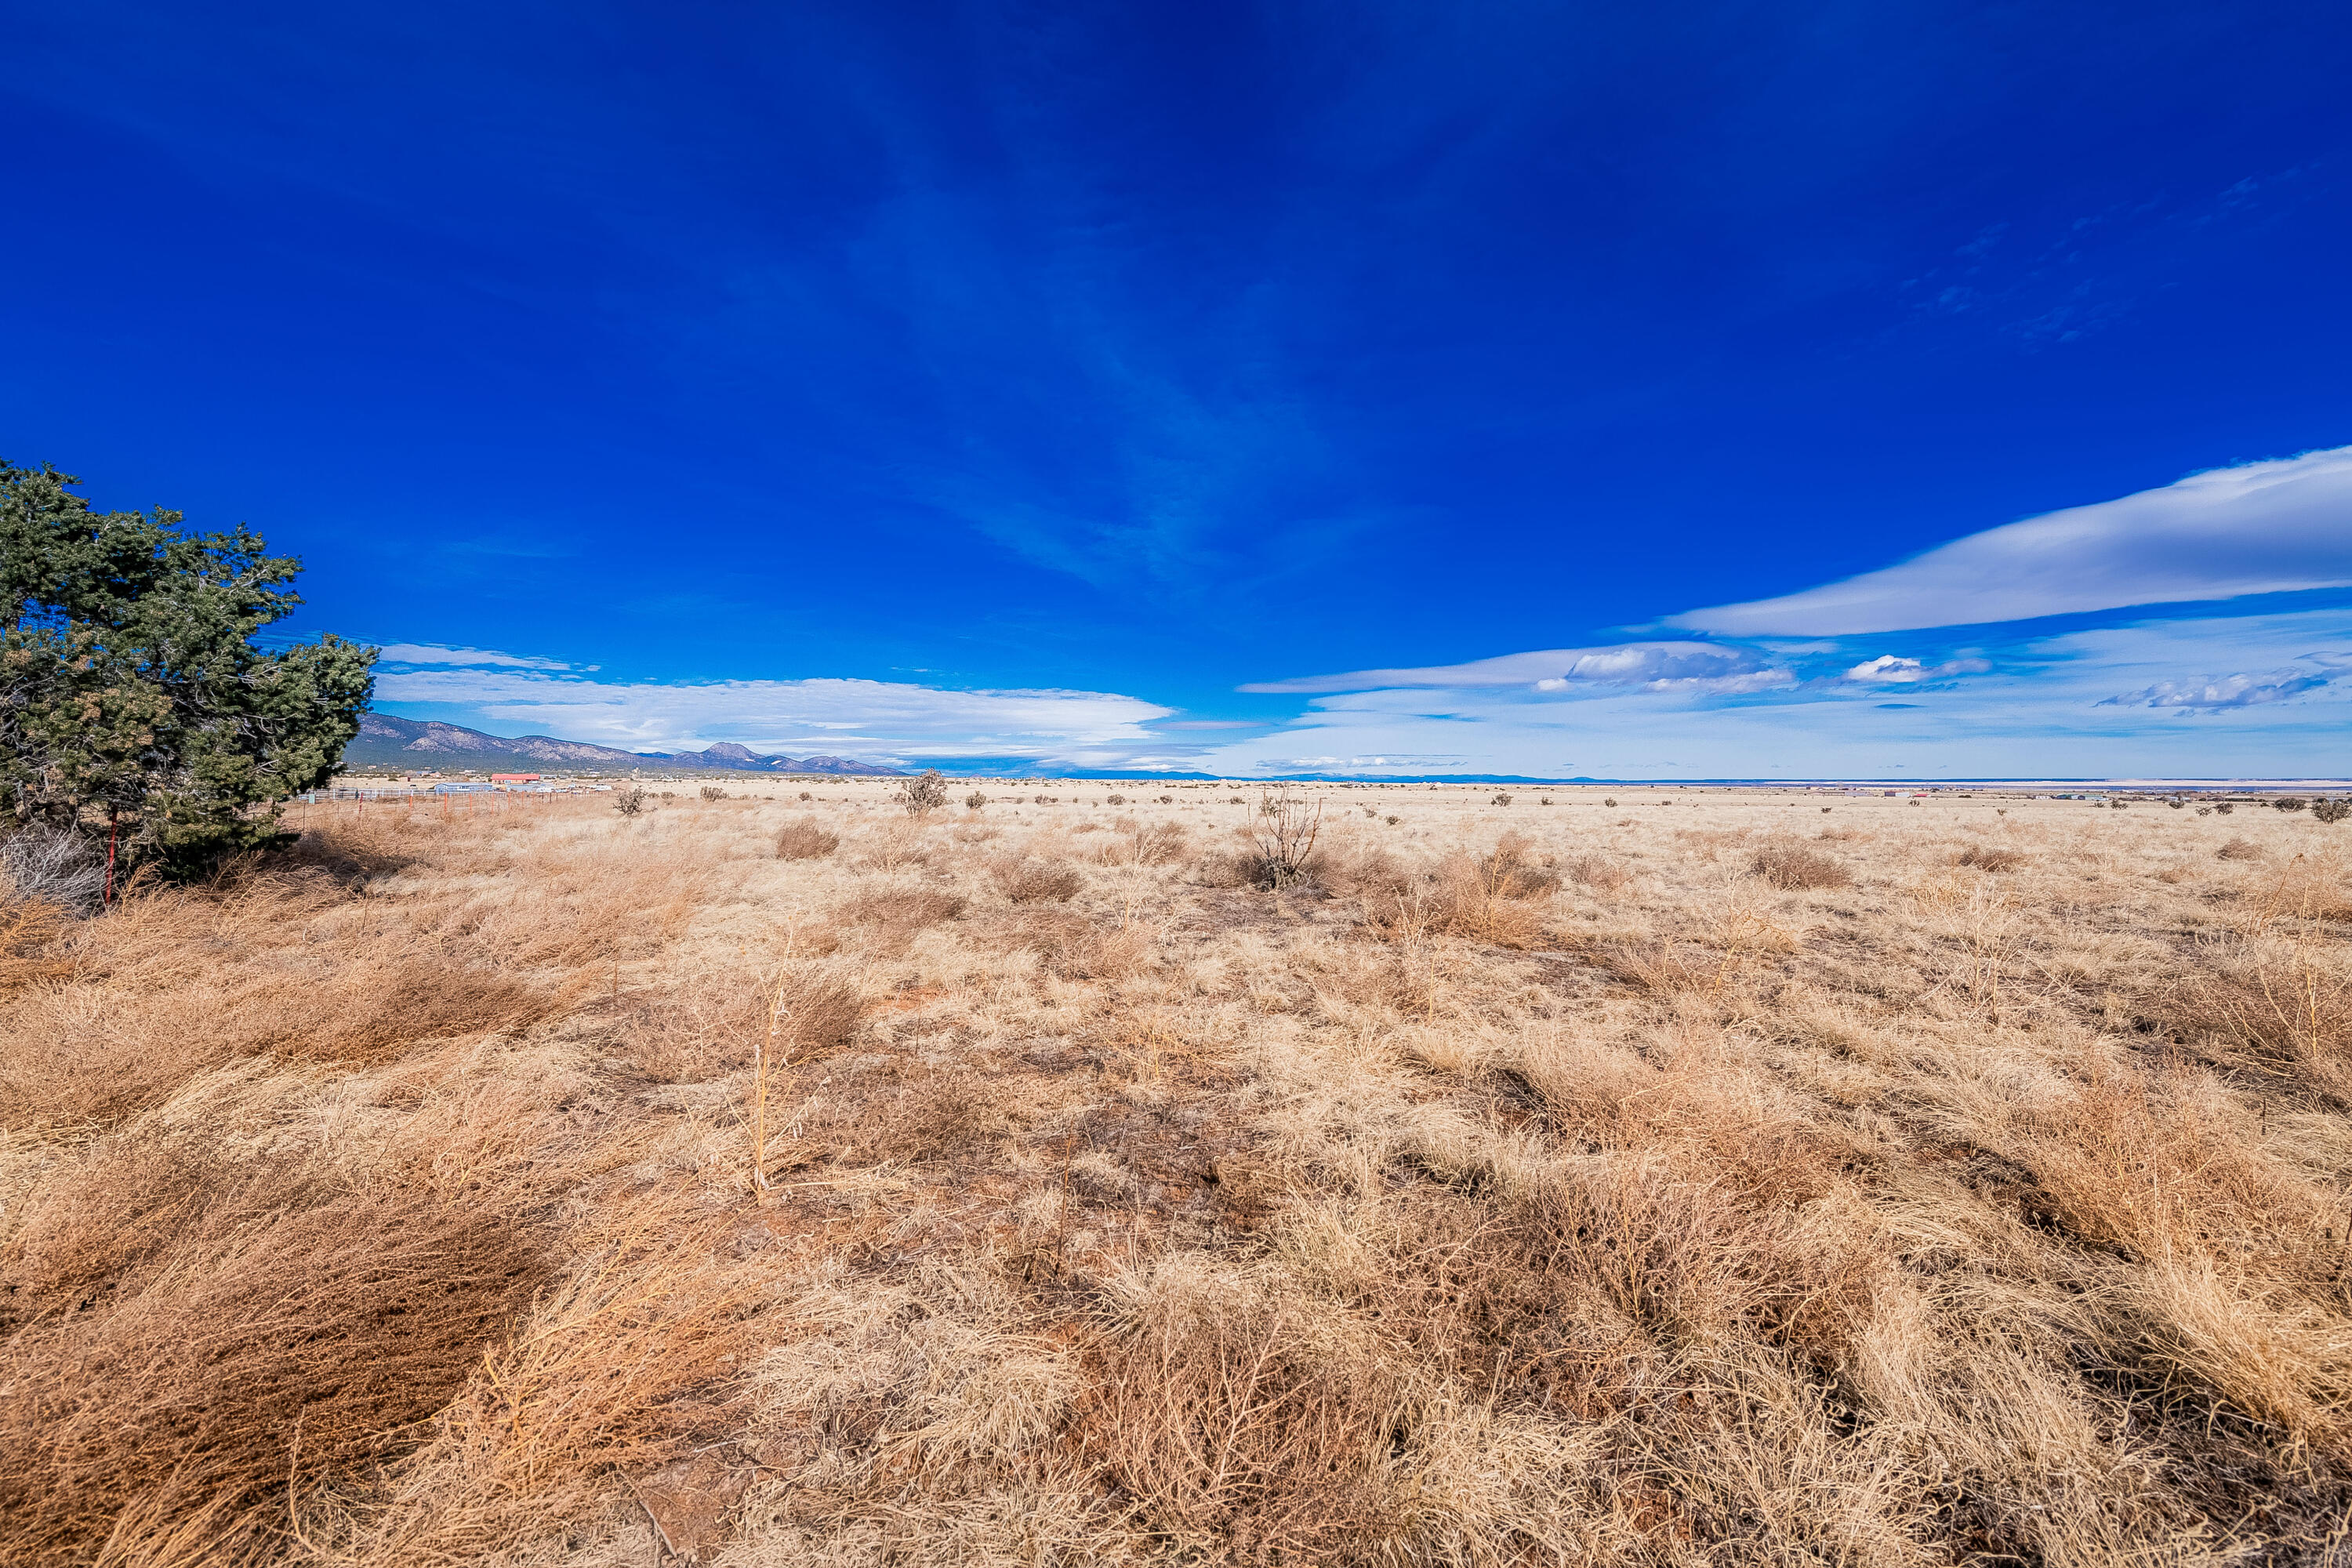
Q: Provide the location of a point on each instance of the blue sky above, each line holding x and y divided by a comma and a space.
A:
1622, 391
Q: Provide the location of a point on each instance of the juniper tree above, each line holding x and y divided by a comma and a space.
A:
132, 691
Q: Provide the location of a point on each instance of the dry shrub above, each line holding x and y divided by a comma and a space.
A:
2146, 1164
633, 1359
2229, 1254
805, 838
711, 1023
2239, 850
896, 845
414, 1002
1599, 873
361, 847
29, 927
894, 916
1514, 871
1074, 947
1495, 899
1024, 881
2282, 1005
1152, 844
911, 1110
1237, 1422
247, 1342
1792, 867
99, 1050
818, 1015
1989, 857
909, 909
2275, 1355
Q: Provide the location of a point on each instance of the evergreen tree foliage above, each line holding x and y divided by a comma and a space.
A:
131, 692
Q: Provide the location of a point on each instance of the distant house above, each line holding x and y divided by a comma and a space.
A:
514, 778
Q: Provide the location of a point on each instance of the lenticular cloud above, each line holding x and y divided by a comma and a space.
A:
2264, 528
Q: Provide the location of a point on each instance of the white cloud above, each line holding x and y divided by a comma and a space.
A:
2264, 528
1655, 665
866, 719
1889, 669
412, 653
2225, 692
1886, 667
2041, 707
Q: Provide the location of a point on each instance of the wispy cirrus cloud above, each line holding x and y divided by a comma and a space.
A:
411, 653
1658, 666
2260, 528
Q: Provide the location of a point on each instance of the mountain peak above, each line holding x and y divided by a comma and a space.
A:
386, 741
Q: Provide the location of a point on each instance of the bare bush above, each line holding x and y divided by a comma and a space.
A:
1282, 837
629, 802
713, 792
2288, 803
974, 801
805, 839
1792, 867
2331, 810
63, 869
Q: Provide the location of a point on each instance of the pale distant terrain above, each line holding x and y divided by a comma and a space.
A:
1630, 1176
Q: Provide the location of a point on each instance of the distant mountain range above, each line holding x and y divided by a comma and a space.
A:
409, 745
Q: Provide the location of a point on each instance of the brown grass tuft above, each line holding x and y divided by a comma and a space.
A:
1028, 881
235, 1352
30, 930
1989, 857
1792, 867
805, 838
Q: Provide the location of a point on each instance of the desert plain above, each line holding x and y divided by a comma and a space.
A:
1639, 1175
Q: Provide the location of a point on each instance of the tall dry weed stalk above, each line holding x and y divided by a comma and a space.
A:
770, 1056
1982, 916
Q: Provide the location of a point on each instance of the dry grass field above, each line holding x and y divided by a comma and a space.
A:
1700, 1178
